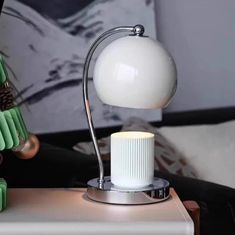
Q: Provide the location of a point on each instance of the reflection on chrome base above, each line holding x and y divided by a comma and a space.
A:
108, 193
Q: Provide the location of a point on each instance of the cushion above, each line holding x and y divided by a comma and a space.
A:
167, 158
210, 149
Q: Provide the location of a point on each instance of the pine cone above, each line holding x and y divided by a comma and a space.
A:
6, 98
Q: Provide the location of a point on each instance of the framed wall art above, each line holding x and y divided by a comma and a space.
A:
44, 44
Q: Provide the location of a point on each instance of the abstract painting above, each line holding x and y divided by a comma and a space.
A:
44, 44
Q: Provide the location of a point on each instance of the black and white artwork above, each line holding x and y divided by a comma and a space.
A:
44, 44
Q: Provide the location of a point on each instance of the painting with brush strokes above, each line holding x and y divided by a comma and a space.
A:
44, 44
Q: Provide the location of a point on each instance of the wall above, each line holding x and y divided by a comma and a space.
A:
201, 37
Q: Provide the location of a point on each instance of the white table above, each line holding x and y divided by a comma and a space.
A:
70, 212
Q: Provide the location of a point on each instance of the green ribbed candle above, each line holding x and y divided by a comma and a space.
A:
3, 194
3, 72
12, 129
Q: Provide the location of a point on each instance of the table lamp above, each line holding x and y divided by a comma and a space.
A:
13, 132
133, 71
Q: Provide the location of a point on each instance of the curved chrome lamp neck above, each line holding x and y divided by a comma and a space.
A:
135, 30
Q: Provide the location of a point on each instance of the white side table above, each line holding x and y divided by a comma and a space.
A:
69, 212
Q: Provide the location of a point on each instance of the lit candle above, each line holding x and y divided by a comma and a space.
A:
132, 159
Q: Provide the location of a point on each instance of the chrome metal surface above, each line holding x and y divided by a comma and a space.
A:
139, 30
156, 192
136, 30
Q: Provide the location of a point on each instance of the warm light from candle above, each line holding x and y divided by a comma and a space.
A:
132, 159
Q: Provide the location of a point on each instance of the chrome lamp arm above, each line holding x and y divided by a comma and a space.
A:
135, 30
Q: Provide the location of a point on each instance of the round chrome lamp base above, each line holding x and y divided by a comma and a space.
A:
108, 193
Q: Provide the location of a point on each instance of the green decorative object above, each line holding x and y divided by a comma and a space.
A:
3, 72
13, 131
3, 194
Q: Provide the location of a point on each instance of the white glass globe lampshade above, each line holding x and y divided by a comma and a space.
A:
135, 72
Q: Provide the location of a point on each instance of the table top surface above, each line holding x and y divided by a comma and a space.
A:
69, 211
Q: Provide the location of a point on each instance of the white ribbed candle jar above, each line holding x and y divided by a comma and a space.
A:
132, 159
